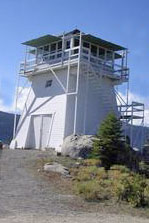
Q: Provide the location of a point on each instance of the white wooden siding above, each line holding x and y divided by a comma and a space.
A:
96, 104
42, 101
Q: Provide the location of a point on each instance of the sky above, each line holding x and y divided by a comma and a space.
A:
123, 22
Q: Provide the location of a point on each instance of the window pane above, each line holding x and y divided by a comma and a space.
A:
101, 53
94, 50
59, 55
48, 83
40, 50
67, 44
76, 42
53, 47
46, 48
76, 51
52, 57
60, 45
86, 44
109, 55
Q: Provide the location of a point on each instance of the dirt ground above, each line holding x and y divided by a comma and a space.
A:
26, 197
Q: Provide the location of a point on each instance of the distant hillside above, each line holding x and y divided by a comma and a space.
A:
6, 126
137, 134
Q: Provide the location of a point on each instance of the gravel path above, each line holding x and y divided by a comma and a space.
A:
24, 198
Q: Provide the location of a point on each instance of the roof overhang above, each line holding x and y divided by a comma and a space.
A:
102, 43
47, 39
41, 41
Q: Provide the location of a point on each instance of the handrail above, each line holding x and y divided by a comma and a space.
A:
59, 57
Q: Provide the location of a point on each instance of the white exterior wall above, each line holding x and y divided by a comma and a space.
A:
100, 102
95, 101
42, 101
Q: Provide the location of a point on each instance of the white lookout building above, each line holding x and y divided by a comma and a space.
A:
73, 78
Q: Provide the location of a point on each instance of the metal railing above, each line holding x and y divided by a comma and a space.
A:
107, 66
61, 57
49, 58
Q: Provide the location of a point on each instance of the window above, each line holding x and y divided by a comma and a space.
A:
59, 55
86, 44
46, 48
76, 42
101, 53
48, 83
52, 57
40, 50
94, 50
109, 55
67, 44
76, 51
53, 47
59, 46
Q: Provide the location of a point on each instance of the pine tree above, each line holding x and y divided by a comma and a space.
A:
109, 142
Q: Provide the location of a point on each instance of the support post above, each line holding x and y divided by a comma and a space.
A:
86, 97
16, 100
63, 47
68, 71
77, 85
127, 102
25, 59
142, 133
131, 130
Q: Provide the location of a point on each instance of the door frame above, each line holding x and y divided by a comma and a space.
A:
41, 128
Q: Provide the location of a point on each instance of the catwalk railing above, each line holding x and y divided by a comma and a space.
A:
61, 58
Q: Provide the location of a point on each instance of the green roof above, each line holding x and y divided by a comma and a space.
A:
101, 42
43, 40
47, 39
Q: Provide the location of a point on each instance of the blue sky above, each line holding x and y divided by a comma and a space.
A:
122, 22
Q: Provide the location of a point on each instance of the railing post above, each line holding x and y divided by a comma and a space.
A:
131, 133
16, 101
36, 56
25, 59
113, 58
63, 47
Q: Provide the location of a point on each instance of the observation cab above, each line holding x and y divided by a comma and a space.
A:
55, 52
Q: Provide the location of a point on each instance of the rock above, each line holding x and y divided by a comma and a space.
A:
77, 165
5, 146
77, 146
57, 168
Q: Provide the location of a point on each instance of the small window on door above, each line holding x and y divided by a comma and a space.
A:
48, 83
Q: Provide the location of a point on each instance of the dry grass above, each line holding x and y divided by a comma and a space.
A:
66, 186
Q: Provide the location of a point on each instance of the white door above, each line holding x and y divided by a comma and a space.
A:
39, 133
36, 126
45, 130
